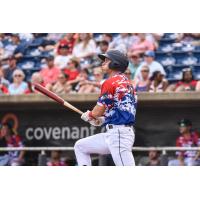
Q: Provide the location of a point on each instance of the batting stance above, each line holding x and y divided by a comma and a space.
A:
116, 110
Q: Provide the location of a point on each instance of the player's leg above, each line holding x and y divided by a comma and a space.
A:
90, 145
120, 145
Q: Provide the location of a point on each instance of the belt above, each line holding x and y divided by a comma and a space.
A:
111, 126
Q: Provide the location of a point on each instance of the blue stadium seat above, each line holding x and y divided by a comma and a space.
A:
168, 61
196, 72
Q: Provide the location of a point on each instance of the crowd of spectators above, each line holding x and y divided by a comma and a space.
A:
68, 63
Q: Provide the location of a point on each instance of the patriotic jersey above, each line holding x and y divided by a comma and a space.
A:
191, 141
119, 99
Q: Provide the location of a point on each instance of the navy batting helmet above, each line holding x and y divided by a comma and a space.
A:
118, 62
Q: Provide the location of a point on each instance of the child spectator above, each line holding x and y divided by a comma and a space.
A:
51, 72
72, 69
188, 138
61, 86
18, 86
12, 139
55, 159
158, 83
142, 84
62, 59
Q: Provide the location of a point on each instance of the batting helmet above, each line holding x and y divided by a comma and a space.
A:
118, 62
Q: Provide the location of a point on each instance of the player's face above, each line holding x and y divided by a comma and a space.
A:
105, 65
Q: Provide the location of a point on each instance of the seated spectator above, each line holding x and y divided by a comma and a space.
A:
87, 86
61, 86
55, 159
51, 72
68, 40
18, 86
62, 59
35, 78
158, 83
81, 78
142, 45
134, 63
3, 83
72, 69
142, 84
84, 49
186, 84
188, 138
12, 66
152, 160
122, 42
149, 59
128, 75
12, 139
103, 47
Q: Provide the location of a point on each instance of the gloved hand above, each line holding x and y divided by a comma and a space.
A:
97, 122
86, 116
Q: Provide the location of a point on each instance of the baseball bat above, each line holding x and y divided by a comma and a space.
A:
56, 98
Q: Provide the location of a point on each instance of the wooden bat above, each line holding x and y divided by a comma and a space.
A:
56, 98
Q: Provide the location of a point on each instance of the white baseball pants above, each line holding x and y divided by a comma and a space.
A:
117, 141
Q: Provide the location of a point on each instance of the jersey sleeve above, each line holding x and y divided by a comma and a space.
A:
106, 97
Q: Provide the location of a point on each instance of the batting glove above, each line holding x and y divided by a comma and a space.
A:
86, 116
97, 122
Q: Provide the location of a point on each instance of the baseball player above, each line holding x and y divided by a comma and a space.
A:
116, 110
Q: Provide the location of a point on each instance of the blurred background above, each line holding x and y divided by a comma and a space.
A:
164, 69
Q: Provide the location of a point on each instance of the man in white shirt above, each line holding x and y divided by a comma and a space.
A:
153, 65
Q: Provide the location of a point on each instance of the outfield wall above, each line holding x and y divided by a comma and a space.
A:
42, 122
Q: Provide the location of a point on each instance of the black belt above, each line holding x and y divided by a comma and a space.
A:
110, 126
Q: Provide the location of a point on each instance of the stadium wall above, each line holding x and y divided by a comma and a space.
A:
42, 122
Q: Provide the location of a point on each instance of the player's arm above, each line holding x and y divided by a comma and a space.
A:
98, 111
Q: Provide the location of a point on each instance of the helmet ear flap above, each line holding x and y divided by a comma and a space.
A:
113, 65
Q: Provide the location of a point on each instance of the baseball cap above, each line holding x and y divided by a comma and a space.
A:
149, 54
184, 122
49, 58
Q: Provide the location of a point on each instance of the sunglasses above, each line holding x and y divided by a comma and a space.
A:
128, 73
145, 71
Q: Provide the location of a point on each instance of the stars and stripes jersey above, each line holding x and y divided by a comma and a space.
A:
120, 100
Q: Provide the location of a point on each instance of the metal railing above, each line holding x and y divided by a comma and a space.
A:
163, 149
